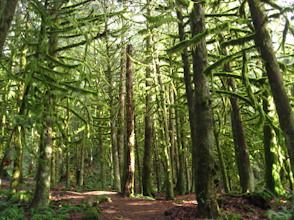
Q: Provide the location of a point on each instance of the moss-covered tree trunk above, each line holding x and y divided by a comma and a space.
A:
271, 153
146, 174
138, 159
283, 107
156, 159
82, 162
6, 17
169, 186
181, 183
189, 89
223, 169
41, 196
184, 146
205, 162
121, 113
115, 158
173, 143
130, 168
16, 175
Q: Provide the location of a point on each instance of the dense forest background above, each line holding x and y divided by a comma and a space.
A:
168, 95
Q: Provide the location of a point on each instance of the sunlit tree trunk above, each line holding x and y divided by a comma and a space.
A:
138, 160
115, 158
169, 192
283, 107
130, 168
205, 162
156, 158
173, 143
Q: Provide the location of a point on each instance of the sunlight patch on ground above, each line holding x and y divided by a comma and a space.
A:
136, 203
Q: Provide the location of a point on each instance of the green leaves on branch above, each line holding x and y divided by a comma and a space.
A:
238, 41
61, 64
224, 60
197, 39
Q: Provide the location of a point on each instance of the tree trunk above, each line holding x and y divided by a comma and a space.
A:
205, 162
271, 153
115, 158
82, 162
166, 146
156, 159
245, 170
121, 113
146, 178
189, 90
130, 168
221, 160
41, 196
6, 18
283, 107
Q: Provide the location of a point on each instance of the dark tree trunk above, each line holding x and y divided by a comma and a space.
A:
283, 107
189, 90
6, 17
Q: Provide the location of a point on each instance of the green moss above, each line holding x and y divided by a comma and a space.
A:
103, 198
92, 214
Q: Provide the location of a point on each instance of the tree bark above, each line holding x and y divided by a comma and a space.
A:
189, 90
130, 169
283, 107
205, 162
41, 196
146, 177
6, 18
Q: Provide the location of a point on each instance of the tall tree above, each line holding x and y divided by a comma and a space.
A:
283, 107
146, 178
205, 162
130, 168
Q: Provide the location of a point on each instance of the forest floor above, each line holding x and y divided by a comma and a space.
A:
232, 206
144, 208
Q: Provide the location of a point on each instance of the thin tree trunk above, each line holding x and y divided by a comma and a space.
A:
130, 168
166, 149
156, 158
115, 158
121, 113
189, 90
283, 107
205, 162
221, 160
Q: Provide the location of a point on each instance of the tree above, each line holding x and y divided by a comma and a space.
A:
206, 168
130, 167
263, 41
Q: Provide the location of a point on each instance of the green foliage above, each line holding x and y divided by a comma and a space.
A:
197, 39
284, 213
92, 214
